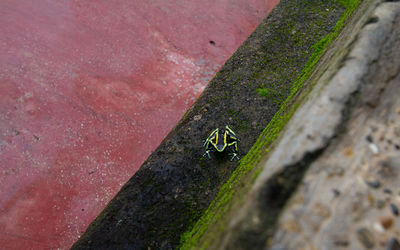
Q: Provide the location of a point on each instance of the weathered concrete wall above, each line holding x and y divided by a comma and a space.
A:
350, 196
345, 140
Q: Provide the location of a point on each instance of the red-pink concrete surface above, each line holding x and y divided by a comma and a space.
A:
87, 90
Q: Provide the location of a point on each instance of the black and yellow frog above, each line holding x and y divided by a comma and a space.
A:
221, 139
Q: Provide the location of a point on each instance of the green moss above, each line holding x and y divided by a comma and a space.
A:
257, 172
247, 168
276, 95
283, 63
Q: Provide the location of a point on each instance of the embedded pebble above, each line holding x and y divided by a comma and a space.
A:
386, 169
366, 238
348, 152
387, 191
197, 117
380, 204
386, 222
321, 210
374, 148
397, 131
335, 171
371, 199
374, 184
336, 192
394, 208
369, 139
378, 227
393, 244
343, 243
291, 226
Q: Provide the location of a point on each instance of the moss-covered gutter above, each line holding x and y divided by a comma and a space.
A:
212, 222
177, 190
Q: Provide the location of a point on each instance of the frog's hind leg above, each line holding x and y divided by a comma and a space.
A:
234, 153
207, 153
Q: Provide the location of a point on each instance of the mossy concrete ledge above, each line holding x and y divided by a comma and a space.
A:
255, 93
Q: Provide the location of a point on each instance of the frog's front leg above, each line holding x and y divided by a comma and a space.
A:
207, 146
234, 152
234, 155
207, 153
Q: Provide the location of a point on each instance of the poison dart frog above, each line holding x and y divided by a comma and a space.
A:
221, 139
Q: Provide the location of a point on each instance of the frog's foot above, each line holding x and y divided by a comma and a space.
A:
208, 154
234, 155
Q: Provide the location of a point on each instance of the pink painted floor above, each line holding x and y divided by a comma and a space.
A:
87, 90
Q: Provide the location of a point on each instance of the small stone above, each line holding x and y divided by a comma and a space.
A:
366, 238
397, 131
348, 152
310, 137
321, 210
339, 243
369, 139
374, 184
255, 219
388, 168
394, 208
374, 148
386, 222
396, 146
393, 244
355, 206
197, 117
380, 204
335, 171
387, 191
15, 132
371, 199
291, 226
336, 192
378, 227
